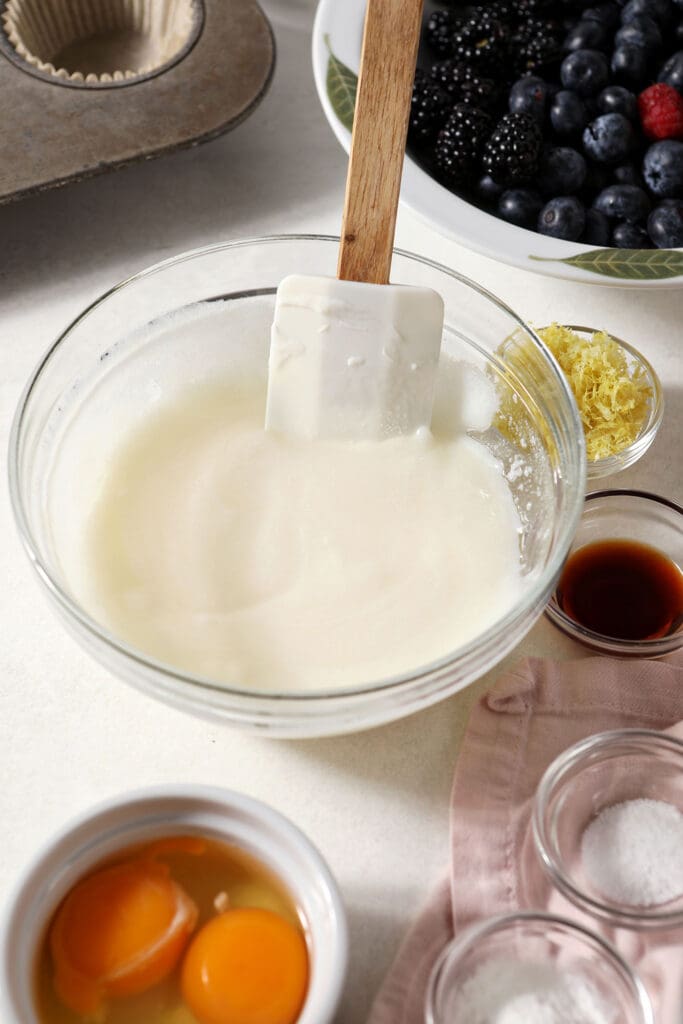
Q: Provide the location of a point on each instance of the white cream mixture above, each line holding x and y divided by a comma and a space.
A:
278, 564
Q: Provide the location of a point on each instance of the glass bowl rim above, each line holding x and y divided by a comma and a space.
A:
201, 684
586, 750
467, 940
600, 641
611, 464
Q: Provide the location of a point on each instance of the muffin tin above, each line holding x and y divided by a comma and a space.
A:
86, 91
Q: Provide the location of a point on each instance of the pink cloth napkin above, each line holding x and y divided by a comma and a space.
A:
529, 717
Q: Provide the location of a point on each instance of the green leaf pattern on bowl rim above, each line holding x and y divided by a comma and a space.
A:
341, 86
627, 264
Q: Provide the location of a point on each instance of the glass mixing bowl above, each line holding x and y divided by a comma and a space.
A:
537, 436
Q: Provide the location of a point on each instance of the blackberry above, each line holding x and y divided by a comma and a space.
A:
459, 145
481, 41
502, 10
511, 153
536, 44
525, 10
463, 84
428, 108
440, 30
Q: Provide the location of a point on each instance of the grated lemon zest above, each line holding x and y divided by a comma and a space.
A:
613, 397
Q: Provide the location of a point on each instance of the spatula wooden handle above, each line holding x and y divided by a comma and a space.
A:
380, 126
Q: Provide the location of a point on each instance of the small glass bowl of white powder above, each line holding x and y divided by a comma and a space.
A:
608, 827
534, 968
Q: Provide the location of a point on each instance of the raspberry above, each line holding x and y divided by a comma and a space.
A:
661, 112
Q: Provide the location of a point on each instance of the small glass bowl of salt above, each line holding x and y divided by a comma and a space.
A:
527, 967
608, 827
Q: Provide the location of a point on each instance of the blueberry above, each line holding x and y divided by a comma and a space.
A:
615, 99
641, 32
630, 236
563, 217
529, 96
607, 14
665, 224
609, 139
659, 10
520, 206
623, 202
586, 35
629, 64
561, 171
584, 71
597, 230
592, 109
663, 169
568, 114
488, 190
672, 71
597, 178
628, 174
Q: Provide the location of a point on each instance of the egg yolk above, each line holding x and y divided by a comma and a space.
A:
119, 932
246, 966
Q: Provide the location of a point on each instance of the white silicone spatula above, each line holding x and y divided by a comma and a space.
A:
355, 357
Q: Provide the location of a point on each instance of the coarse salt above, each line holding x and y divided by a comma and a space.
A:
513, 992
633, 852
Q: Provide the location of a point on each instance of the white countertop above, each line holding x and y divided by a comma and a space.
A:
376, 804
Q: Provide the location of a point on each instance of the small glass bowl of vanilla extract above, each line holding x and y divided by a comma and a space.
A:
621, 589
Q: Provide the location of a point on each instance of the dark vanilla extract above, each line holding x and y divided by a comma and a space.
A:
622, 589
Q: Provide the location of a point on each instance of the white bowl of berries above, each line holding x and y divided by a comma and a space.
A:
544, 133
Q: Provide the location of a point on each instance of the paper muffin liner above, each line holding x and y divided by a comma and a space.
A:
99, 41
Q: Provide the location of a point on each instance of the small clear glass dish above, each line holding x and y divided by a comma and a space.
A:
606, 769
625, 515
540, 942
125, 821
635, 360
